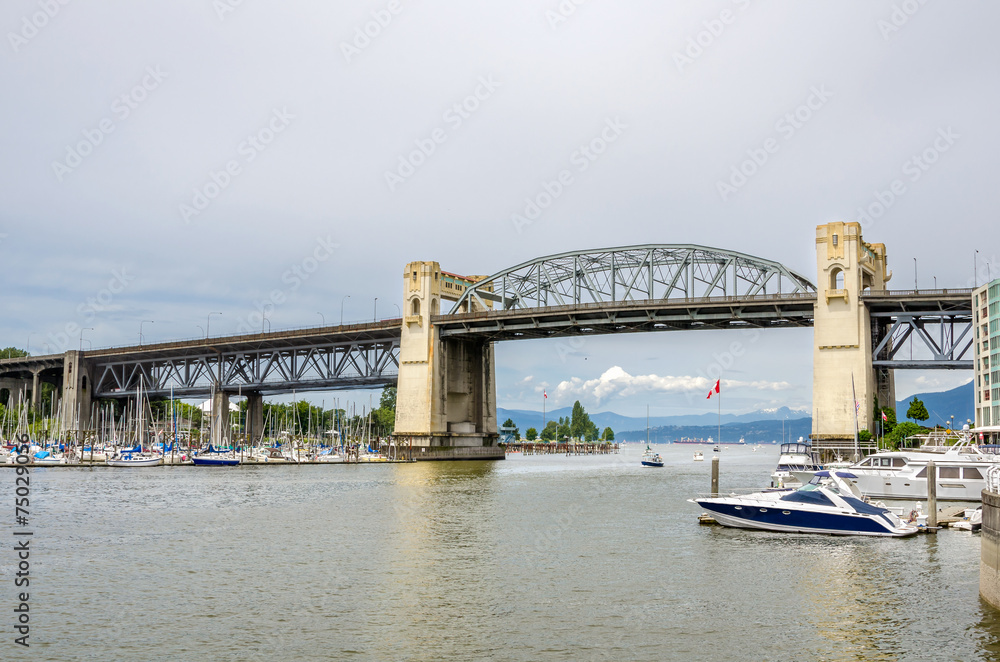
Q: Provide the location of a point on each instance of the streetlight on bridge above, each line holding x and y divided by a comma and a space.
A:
322, 317
346, 297
209, 321
86, 328
375, 313
140, 330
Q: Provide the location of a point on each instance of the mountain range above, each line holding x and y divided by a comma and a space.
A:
760, 426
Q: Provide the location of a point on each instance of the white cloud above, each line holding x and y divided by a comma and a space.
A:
617, 383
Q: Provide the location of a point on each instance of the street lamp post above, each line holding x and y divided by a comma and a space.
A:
87, 328
140, 330
209, 321
263, 319
346, 297
375, 313
398, 311
27, 347
322, 317
915, 286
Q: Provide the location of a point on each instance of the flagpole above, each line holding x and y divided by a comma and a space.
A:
543, 409
720, 410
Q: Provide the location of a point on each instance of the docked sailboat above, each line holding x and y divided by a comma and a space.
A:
134, 457
216, 457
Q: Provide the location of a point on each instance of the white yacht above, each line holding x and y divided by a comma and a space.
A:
961, 472
796, 465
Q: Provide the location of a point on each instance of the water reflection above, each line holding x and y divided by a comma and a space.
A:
533, 558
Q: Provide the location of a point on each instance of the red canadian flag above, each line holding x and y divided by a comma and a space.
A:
545, 395
884, 417
714, 390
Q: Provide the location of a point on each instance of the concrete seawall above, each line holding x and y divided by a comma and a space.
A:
989, 560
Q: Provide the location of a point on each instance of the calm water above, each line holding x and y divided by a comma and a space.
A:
535, 558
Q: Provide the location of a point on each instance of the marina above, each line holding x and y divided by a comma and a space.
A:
368, 584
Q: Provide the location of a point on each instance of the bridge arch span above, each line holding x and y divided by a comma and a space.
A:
630, 273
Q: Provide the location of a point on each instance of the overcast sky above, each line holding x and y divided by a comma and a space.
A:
162, 161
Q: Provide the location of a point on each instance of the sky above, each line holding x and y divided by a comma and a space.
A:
171, 166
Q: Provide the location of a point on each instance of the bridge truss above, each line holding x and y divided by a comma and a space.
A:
307, 366
652, 272
921, 329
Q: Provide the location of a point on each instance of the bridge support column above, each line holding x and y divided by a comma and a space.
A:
446, 394
36, 390
221, 432
843, 374
76, 395
255, 417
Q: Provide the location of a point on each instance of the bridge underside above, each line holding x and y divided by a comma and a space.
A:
770, 312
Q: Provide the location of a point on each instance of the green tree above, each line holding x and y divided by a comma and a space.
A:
12, 353
864, 435
388, 399
609, 434
917, 411
550, 431
890, 416
509, 423
579, 423
564, 430
531, 434
898, 435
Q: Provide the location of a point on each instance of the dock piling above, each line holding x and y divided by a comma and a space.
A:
715, 476
932, 510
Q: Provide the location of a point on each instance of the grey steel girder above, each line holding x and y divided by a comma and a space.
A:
269, 370
632, 273
948, 344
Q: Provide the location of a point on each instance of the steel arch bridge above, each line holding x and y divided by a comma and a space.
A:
648, 272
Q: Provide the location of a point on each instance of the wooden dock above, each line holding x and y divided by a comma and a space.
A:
562, 448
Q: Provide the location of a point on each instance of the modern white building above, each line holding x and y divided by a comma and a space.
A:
986, 317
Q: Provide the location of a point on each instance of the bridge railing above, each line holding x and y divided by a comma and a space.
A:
637, 303
386, 323
960, 291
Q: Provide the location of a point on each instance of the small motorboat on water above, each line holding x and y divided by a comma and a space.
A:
699, 456
651, 458
830, 503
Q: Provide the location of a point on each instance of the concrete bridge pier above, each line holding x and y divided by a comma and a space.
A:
77, 390
255, 417
843, 373
221, 431
16, 390
446, 393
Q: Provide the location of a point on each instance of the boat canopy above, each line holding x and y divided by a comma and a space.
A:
840, 474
